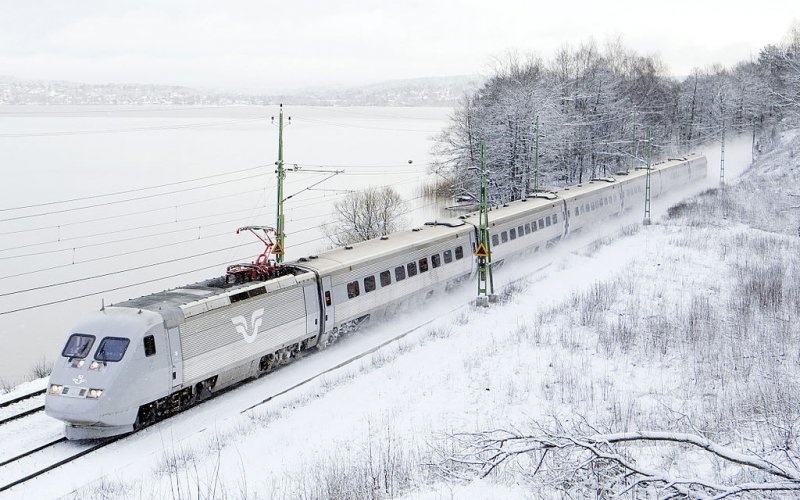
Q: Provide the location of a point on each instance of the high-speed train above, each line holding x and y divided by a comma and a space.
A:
134, 363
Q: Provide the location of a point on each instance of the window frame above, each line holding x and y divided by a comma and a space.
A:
399, 273
353, 289
385, 278
448, 256
459, 252
370, 283
88, 349
102, 344
411, 269
147, 351
423, 265
512, 233
436, 260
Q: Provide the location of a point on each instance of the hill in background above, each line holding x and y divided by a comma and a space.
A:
439, 91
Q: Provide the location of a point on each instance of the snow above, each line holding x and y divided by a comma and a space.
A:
538, 355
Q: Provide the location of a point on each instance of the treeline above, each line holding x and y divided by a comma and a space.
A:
594, 107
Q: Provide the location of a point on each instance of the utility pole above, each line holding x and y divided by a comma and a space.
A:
280, 247
536, 159
646, 220
634, 142
484, 250
722, 157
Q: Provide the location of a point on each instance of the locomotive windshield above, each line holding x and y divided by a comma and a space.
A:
111, 349
78, 346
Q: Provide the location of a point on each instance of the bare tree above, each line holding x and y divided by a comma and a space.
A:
366, 214
604, 465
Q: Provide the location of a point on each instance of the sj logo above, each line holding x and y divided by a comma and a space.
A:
240, 322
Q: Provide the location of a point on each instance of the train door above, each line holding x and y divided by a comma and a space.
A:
312, 308
176, 358
328, 308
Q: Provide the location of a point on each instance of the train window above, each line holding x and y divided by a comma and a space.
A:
436, 260
495, 239
386, 278
504, 236
369, 284
547, 221
521, 231
352, 289
78, 346
527, 228
555, 218
459, 253
448, 256
412, 269
533, 226
423, 264
513, 233
399, 273
111, 349
541, 223
149, 345
327, 298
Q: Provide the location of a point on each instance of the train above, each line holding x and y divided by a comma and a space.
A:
136, 362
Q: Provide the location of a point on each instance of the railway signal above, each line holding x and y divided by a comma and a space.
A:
646, 221
281, 173
484, 250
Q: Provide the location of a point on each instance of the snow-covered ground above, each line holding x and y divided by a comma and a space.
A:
683, 325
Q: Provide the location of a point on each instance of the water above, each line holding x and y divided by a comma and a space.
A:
62, 153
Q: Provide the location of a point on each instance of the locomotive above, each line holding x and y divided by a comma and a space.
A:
139, 361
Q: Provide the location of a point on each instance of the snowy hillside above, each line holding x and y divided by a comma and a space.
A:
683, 327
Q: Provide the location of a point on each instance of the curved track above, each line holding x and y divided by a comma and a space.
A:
54, 454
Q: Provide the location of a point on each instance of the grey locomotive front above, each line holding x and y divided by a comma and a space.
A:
112, 363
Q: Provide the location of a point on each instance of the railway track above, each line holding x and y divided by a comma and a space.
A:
60, 451
21, 406
54, 454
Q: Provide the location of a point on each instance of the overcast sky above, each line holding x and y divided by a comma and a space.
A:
269, 45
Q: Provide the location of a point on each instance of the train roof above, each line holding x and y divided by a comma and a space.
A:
548, 198
357, 253
176, 304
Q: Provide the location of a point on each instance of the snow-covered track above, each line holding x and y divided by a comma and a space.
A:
29, 465
351, 359
24, 413
31, 452
18, 399
21, 406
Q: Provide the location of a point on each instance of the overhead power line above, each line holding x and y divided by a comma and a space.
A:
127, 200
136, 190
122, 287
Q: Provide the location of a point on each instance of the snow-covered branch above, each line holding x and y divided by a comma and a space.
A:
606, 461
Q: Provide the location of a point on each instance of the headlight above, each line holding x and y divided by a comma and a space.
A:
55, 389
94, 393
94, 366
77, 363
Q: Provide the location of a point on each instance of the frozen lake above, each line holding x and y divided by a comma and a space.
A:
215, 166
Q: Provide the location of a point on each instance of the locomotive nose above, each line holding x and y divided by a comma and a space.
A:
74, 410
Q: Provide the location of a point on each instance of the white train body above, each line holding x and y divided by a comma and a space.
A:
144, 359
